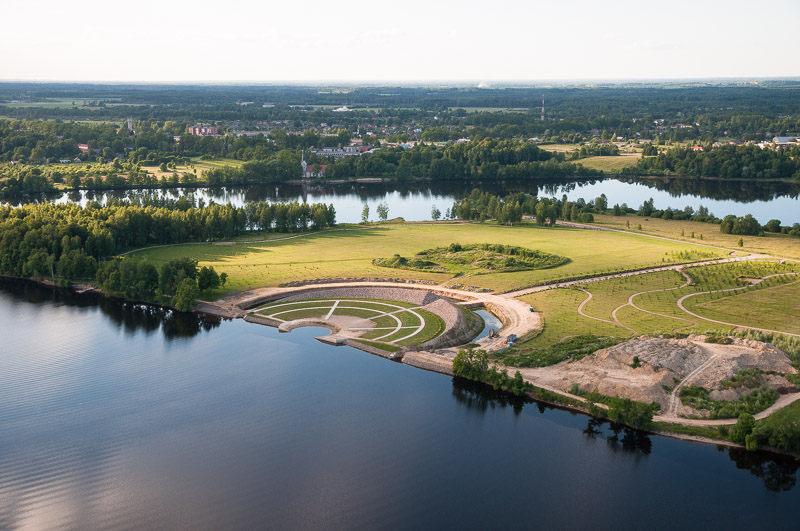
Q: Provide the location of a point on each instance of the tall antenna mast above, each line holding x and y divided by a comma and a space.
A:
543, 107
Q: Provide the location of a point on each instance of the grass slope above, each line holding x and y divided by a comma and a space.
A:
349, 253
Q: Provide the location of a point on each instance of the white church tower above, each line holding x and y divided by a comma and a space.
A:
303, 164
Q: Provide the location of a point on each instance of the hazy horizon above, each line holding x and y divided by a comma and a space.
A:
311, 42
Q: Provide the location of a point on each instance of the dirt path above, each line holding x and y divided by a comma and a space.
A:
614, 322
781, 403
674, 396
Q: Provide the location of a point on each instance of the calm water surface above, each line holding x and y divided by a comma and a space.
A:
414, 200
118, 416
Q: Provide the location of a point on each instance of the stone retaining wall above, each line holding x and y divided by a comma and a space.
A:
457, 330
413, 296
261, 320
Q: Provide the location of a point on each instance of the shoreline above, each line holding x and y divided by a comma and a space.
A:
440, 362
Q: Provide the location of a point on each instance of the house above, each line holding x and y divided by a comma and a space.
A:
84, 148
314, 171
697, 148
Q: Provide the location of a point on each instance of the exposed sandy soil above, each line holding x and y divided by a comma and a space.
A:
667, 365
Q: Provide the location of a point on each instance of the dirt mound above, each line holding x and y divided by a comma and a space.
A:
665, 366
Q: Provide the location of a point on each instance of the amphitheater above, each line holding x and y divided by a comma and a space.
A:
418, 324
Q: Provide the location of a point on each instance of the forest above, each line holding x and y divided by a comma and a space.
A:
67, 243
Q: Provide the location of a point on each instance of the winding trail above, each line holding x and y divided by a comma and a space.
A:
614, 322
755, 283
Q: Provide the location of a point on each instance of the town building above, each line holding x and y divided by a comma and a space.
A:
338, 153
786, 141
202, 130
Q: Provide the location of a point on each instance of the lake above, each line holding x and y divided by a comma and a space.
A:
414, 200
122, 416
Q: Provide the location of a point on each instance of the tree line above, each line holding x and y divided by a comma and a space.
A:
68, 242
176, 283
484, 206
727, 162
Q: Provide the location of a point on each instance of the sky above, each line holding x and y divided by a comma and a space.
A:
408, 41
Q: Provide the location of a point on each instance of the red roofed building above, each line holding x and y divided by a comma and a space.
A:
315, 170
84, 148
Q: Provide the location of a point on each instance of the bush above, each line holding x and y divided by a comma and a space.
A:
474, 365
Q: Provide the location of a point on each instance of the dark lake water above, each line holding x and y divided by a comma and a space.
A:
413, 201
119, 416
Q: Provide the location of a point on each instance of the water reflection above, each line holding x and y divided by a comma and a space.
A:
480, 398
130, 317
413, 200
619, 437
778, 472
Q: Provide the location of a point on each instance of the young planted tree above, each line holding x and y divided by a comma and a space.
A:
383, 211
365, 213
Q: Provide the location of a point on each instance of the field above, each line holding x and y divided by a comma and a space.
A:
559, 148
772, 304
774, 308
197, 164
348, 253
774, 244
609, 163
559, 309
392, 322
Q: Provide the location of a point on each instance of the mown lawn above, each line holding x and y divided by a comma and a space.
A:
349, 253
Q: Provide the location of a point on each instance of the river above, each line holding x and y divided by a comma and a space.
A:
413, 201
118, 416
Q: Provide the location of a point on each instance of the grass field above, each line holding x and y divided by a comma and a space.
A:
609, 294
773, 304
775, 244
774, 308
559, 309
201, 166
559, 148
609, 163
348, 254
